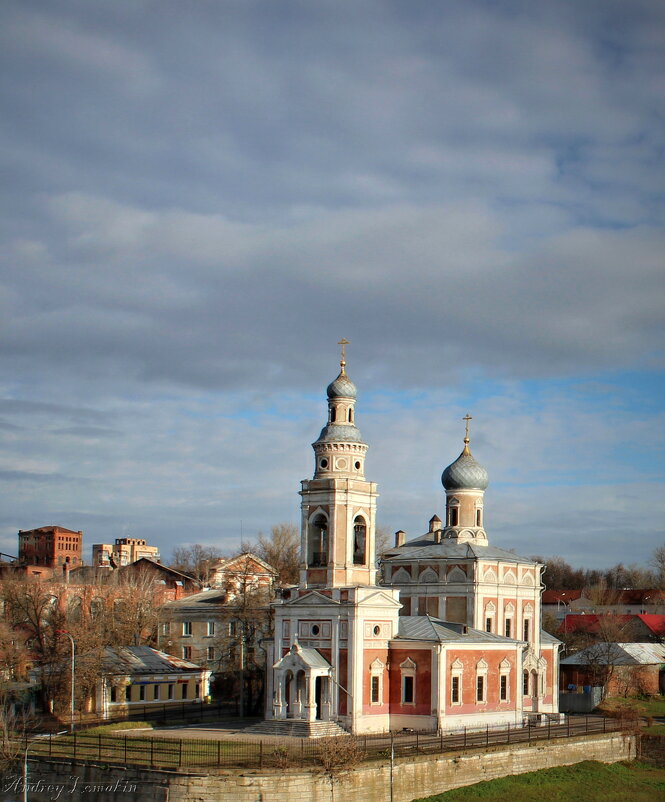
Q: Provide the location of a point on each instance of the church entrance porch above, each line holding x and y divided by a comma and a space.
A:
302, 686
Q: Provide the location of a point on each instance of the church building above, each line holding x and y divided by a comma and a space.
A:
448, 635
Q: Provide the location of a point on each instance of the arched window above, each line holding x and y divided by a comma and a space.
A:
333, 414
317, 547
359, 541
350, 416
453, 512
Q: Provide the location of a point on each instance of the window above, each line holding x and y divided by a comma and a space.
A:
128, 693
233, 628
488, 625
169, 692
525, 683
481, 680
142, 693
526, 629
317, 552
359, 541
197, 690
376, 682
480, 688
187, 652
210, 655
408, 671
211, 628
453, 516
455, 690
155, 692
185, 688
186, 627
503, 688
114, 694
509, 627
479, 517
165, 628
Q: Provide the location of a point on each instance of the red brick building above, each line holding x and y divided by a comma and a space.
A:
50, 546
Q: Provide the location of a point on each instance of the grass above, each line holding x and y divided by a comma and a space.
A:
108, 729
650, 706
589, 781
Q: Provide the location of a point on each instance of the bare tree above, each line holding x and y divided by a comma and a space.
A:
281, 550
195, 560
246, 622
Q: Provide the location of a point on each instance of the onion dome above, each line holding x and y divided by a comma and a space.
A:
342, 387
336, 433
465, 473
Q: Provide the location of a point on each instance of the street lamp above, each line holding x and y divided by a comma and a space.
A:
64, 632
25, 760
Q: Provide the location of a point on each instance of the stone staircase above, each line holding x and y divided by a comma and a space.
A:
296, 729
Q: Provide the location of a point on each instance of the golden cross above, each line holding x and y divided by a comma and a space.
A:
343, 342
467, 418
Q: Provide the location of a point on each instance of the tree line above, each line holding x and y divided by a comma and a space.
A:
561, 575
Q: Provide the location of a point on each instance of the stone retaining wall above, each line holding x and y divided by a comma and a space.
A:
411, 778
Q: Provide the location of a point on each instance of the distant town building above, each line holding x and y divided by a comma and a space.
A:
50, 546
124, 551
241, 574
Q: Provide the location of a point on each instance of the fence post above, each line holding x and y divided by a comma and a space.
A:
219, 754
99, 747
549, 729
50, 742
417, 742
586, 725
260, 754
569, 725
487, 736
152, 753
508, 732
302, 752
125, 750
528, 730
75, 752
604, 722
465, 737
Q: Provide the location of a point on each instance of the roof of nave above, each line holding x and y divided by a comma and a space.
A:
424, 627
426, 547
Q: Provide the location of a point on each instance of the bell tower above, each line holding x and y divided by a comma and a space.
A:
338, 504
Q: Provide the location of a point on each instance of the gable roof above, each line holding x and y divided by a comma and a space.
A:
150, 564
426, 547
618, 654
143, 660
239, 563
593, 622
427, 628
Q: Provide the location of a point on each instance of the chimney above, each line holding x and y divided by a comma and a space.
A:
400, 538
434, 523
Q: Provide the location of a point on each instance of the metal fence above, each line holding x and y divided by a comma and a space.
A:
192, 712
174, 754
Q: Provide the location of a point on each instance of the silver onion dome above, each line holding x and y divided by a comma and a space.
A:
465, 473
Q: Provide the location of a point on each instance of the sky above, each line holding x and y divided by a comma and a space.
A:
200, 199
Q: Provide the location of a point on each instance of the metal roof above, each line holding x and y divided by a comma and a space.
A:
425, 547
424, 627
618, 654
144, 660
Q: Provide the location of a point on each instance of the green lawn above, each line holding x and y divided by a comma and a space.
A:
588, 781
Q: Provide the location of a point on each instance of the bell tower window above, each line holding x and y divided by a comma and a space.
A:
333, 414
317, 551
359, 541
